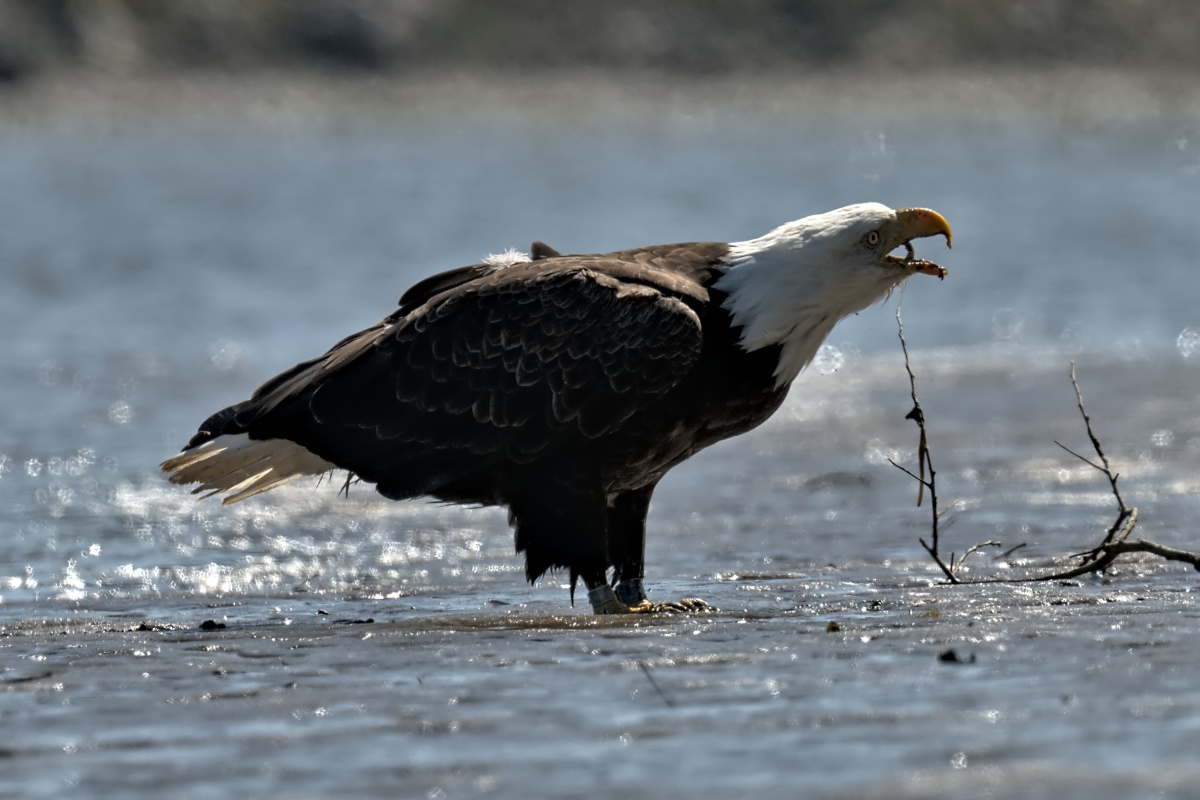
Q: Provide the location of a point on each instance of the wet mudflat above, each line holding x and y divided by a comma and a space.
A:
877, 689
373, 648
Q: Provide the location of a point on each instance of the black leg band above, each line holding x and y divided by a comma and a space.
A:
604, 601
630, 592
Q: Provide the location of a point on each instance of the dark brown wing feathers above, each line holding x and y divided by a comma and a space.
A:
483, 365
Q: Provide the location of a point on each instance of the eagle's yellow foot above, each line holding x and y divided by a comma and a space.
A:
682, 606
629, 597
613, 606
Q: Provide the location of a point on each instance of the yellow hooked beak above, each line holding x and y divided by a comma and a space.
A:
916, 223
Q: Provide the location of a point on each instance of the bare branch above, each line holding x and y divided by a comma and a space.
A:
938, 560
1084, 459
972, 549
910, 473
918, 416
1011, 550
924, 457
1097, 559
1107, 470
1162, 551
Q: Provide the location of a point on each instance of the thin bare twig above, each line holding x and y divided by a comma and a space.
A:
1010, 551
972, 549
1122, 510
918, 416
908, 472
924, 461
1115, 543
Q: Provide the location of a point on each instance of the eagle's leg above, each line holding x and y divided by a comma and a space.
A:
562, 525
602, 597
627, 544
627, 554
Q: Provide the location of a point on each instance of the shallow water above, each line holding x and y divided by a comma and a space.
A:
154, 275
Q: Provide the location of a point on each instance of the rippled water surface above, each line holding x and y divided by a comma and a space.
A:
152, 275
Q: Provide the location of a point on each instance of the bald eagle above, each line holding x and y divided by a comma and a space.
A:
565, 386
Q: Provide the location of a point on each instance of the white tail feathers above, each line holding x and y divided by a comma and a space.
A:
243, 467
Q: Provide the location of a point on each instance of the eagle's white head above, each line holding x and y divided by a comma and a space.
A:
791, 286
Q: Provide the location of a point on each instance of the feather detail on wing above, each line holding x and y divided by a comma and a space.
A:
509, 367
475, 369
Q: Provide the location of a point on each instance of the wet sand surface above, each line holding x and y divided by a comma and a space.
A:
877, 689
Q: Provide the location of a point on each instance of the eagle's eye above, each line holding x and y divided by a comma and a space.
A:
873, 238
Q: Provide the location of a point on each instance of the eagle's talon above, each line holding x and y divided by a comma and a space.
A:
683, 606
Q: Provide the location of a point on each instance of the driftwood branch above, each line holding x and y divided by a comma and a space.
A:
1115, 543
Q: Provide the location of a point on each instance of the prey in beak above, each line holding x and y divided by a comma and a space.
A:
915, 223
914, 265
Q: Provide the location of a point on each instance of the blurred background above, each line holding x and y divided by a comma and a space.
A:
698, 41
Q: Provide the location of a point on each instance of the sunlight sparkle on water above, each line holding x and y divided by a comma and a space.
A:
1189, 343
